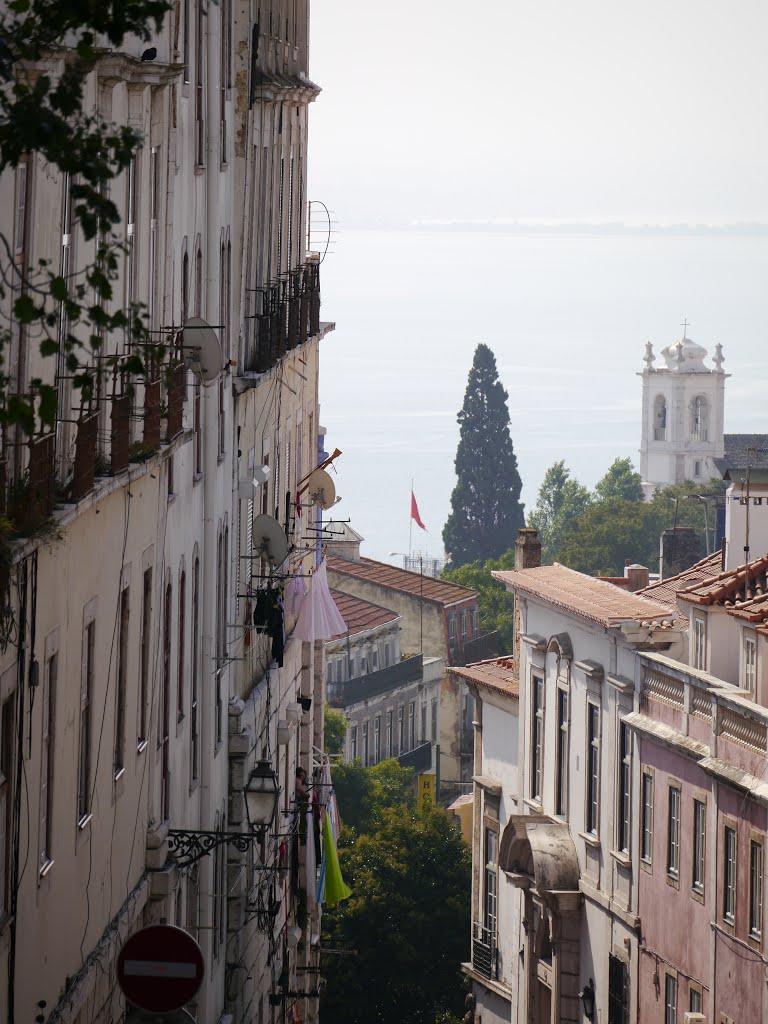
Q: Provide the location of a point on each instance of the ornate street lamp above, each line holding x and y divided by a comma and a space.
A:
587, 996
261, 796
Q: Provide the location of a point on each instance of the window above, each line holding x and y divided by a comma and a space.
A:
699, 643
200, 98
374, 659
491, 883
659, 418
424, 734
670, 999
194, 711
452, 633
164, 737
697, 469
699, 845
226, 65
199, 276
700, 419
198, 431
434, 719
729, 875
221, 420
145, 654
186, 39
365, 743
463, 627
400, 730
695, 1002
623, 811
537, 735
755, 889
618, 991
131, 204
353, 742
646, 837
182, 646
561, 782
673, 833
122, 681
221, 632
389, 734
475, 622
593, 769
377, 739
412, 725
7, 721
748, 662
47, 762
154, 221
86, 695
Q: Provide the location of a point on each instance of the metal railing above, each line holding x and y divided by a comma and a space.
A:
485, 955
409, 670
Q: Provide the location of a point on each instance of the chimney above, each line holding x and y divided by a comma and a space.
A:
637, 576
679, 549
527, 549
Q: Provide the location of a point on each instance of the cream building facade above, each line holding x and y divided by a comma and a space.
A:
135, 694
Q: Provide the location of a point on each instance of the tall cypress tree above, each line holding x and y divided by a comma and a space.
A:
486, 509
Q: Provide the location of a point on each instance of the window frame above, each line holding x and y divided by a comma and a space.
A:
562, 752
674, 821
699, 847
536, 781
47, 761
749, 661
490, 881
670, 1004
592, 789
624, 789
730, 872
647, 809
699, 646
85, 753
756, 891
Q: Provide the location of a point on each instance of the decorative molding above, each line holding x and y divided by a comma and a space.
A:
743, 730
701, 703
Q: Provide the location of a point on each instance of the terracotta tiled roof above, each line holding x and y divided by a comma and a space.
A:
402, 580
584, 596
360, 615
666, 591
731, 589
495, 674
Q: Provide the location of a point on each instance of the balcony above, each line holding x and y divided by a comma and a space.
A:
409, 670
485, 955
700, 434
288, 314
420, 758
659, 433
480, 649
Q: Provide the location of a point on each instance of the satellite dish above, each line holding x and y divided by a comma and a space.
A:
321, 489
269, 539
202, 349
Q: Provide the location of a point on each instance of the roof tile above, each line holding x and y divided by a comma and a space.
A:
360, 615
494, 674
585, 596
402, 580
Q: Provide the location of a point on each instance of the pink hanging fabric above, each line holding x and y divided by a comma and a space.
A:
319, 618
295, 593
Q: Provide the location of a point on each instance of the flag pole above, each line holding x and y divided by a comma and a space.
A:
410, 525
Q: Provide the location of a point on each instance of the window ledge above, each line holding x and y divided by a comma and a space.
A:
119, 774
141, 746
591, 839
673, 880
622, 858
171, 497
84, 822
535, 805
46, 868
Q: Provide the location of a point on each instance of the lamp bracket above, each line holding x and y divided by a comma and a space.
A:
188, 847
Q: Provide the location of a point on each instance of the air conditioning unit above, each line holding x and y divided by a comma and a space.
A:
691, 1017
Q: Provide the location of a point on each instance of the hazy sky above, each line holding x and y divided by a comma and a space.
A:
567, 109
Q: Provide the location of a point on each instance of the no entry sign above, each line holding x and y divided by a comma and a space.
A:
160, 968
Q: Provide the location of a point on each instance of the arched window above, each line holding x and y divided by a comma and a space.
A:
700, 418
660, 418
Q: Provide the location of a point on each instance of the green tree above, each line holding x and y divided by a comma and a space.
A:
559, 503
621, 481
42, 115
486, 511
334, 730
608, 533
407, 920
495, 604
362, 793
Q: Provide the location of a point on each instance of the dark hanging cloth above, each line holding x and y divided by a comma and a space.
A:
268, 618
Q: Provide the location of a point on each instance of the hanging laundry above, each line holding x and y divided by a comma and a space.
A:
268, 618
319, 618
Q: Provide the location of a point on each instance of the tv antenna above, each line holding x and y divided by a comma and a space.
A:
270, 540
202, 349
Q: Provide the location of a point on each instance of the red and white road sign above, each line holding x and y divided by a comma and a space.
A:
160, 968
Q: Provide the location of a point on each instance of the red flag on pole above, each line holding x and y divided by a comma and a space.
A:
415, 511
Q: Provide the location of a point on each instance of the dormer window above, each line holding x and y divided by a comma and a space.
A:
748, 661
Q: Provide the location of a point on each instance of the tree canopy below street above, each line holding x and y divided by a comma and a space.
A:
486, 511
406, 926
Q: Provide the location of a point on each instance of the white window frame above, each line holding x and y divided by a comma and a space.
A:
749, 661
674, 806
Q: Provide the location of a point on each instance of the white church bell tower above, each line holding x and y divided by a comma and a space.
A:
682, 414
